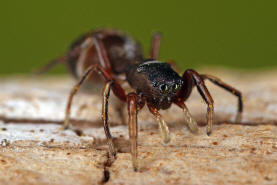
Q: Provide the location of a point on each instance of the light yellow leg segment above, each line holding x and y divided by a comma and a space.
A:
163, 129
239, 117
192, 124
210, 113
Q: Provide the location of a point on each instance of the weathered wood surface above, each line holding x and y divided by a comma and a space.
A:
235, 153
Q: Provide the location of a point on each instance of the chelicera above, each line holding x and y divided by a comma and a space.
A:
111, 54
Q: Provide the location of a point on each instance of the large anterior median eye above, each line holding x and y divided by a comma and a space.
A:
175, 87
164, 88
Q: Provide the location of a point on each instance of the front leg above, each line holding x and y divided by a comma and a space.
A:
191, 75
133, 107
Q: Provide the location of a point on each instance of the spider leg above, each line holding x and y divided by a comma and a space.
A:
155, 48
104, 61
106, 93
110, 83
165, 133
50, 65
106, 64
115, 87
229, 88
105, 106
173, 65
191, 75
133, 107
102, 54
192, 124
61, 59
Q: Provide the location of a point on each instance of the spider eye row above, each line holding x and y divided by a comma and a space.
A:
164, 88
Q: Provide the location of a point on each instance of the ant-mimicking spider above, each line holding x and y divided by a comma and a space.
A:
112, 53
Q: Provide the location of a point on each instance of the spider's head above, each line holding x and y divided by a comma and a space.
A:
158, 82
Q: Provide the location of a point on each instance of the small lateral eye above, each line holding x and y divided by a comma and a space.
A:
163, 88
175, 87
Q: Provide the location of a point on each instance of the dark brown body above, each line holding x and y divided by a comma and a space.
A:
121, 49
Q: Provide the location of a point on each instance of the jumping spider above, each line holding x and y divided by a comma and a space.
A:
112, 53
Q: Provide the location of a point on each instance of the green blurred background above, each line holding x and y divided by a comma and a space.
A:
237, 34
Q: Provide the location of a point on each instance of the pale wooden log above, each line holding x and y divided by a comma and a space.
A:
235, 153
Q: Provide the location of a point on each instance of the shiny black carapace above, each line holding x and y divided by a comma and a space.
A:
112, 54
